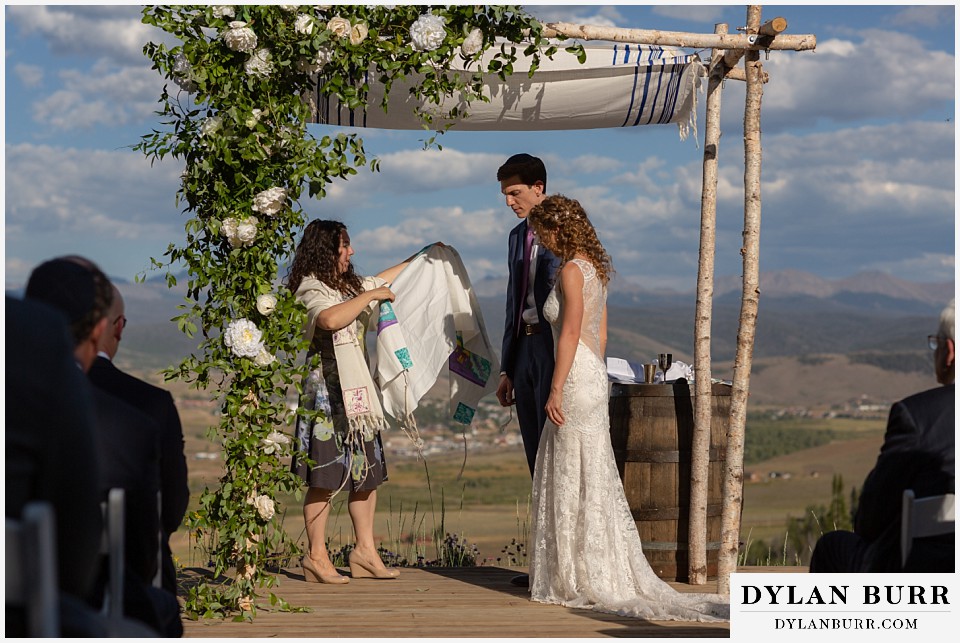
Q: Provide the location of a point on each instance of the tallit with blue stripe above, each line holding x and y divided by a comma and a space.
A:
617, 86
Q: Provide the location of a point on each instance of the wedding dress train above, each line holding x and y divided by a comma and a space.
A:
586, 550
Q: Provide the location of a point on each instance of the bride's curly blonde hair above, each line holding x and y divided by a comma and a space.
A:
566, 221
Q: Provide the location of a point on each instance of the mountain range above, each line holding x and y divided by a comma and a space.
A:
870, 318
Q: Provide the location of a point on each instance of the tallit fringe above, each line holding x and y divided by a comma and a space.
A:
688, 121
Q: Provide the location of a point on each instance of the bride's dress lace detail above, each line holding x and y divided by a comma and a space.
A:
586, 551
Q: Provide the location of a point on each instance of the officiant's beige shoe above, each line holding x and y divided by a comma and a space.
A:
312, 575
361, 567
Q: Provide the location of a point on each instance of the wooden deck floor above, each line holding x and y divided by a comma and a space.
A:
440, 602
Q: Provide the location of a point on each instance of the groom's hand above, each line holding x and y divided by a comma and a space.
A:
505, 391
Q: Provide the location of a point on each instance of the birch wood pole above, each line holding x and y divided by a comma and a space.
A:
749, 41
750, 298
700, 446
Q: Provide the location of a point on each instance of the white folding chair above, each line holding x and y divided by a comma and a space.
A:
31, 569
924, 517
112, 546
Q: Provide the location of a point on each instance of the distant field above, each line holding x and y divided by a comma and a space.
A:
488, 505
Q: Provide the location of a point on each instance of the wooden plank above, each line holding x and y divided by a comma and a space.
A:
443, 602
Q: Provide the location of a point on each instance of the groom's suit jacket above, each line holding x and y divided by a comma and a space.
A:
547, 265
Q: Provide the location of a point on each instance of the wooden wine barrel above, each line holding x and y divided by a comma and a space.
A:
651, 428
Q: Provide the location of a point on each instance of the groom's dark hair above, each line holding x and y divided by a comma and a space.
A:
529, 168
77, 288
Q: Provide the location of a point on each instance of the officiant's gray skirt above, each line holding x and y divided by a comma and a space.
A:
334, 464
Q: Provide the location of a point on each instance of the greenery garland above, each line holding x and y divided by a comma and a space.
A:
234, 114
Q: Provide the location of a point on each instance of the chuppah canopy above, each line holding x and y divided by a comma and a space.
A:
617, 86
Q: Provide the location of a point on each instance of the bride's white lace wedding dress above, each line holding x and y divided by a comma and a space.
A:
586, 549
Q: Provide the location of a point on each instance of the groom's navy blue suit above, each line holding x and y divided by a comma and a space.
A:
528, 359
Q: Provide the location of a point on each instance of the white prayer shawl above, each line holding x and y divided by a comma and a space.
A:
435, 323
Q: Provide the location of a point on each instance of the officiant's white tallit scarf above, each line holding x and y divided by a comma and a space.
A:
435, 323
364, 413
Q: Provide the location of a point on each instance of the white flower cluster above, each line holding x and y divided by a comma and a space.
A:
260, 63
240, 37
303, 24
270, 201
223, 11
266, 304
240, 234
428, 32
324, 55
264, 505
211, 125
472, 43
289, 8
254, 118
274, 442
243, 338
264, 358
341, 28
182, 74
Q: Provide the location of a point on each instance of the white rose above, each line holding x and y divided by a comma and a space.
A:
265, 507
264, 358
358, 33
243, 338
211, 125
270, 201
290, 7
254, 118
339, 27
428, 32
246, 232
303, 24
324, 55
472, 43
223, 11
186, 84
245, 603
274, 442
245, 572
260, 63
229, 228
240, 37
266, 304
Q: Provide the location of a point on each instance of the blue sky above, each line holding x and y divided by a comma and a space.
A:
858, 164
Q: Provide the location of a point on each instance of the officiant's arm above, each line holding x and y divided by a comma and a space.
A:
391, 273
341, 315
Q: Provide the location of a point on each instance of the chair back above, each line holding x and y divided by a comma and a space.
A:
923, 517
112, 546
31, 569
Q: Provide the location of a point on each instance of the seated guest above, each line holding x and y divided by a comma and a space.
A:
51, 454
917, 454
128, 441
158, 404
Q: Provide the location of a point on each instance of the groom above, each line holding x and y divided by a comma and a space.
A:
527, 353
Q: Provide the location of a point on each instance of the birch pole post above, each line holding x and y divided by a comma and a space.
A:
700, 446
750, 299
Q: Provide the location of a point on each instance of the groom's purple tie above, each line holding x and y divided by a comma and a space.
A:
524, 278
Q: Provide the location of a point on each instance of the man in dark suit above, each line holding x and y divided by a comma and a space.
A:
158, 404
917, 454
526, 356
128, 442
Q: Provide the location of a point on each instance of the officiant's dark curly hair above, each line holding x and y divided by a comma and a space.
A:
319, 254
567, 222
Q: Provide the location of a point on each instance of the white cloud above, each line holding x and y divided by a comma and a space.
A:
29, 75
925, 267
694, 13
885, 75
923, 16
76, 193
113, 31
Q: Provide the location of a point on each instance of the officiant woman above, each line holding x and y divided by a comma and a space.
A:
340, 447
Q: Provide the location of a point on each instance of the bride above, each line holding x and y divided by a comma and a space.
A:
586, 549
